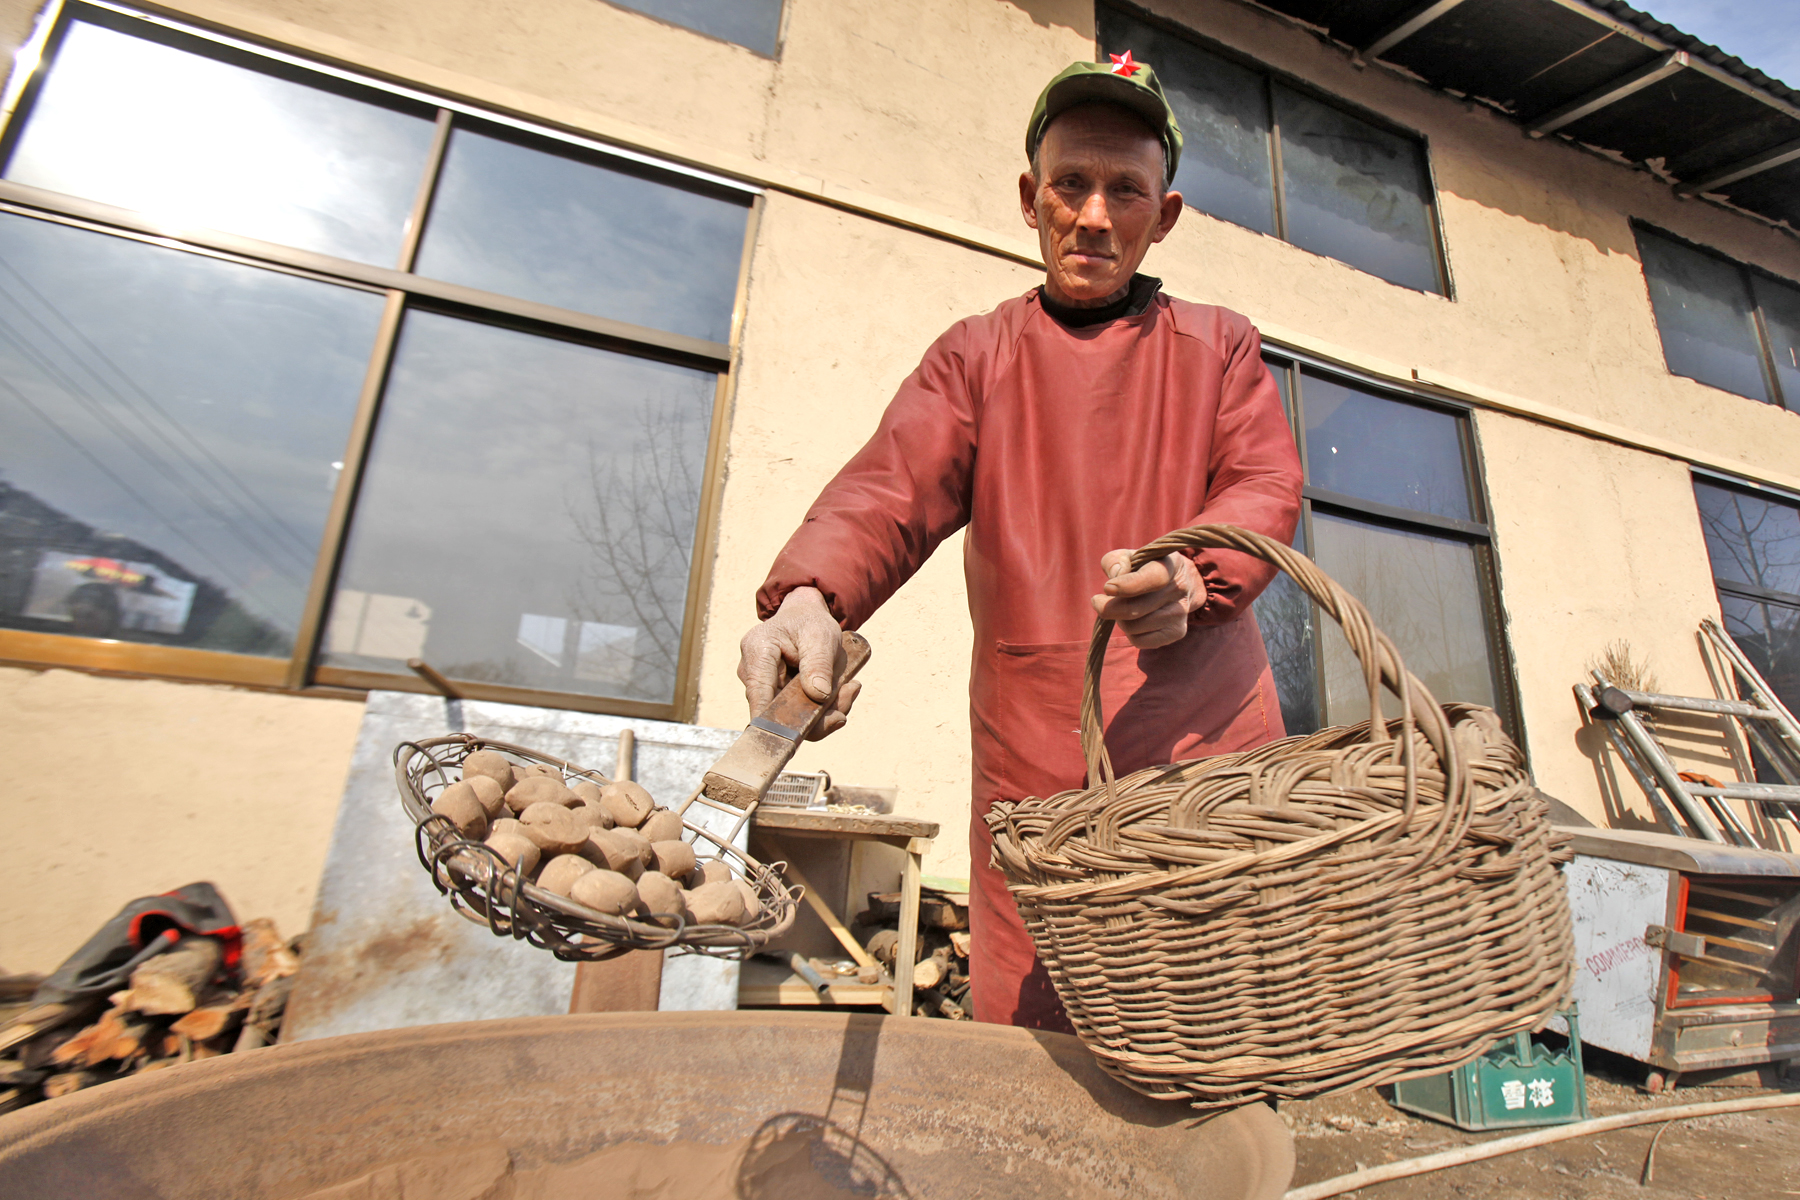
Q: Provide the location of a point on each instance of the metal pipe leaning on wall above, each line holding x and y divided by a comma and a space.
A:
1525, 1141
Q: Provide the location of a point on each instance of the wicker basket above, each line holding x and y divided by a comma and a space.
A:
1325, 912
484, 888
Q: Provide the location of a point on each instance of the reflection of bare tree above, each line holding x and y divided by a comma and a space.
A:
638, 518
1284, 613
1757, 542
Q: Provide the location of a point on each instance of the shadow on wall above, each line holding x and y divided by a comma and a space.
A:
1075, 15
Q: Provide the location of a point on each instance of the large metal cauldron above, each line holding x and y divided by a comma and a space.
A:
670, 1106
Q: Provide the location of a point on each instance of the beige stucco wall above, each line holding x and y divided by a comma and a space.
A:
889, 114
129, 787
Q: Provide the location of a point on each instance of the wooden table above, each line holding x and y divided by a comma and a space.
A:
908, 834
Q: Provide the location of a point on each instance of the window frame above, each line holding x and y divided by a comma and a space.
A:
1749, 272
1478, 533
1440, 254
403, 292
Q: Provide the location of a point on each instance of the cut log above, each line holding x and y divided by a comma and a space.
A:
931, 972
959, 943
41, 1018
882, 945
70, 1081
40, 1050
208, 1021
266, 957
128, 1039
18, 1097
269, 1004
171, 982
78, 1048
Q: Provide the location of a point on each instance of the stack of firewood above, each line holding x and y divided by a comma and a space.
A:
941, 971
182, 1005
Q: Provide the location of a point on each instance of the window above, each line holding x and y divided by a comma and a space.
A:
412, 383
1753, 540
1722, 322
1391, 510
1267, 156
755, 24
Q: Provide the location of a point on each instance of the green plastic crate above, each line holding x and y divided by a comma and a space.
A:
1519, 1082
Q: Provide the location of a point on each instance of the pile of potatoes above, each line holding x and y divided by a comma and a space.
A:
608, 848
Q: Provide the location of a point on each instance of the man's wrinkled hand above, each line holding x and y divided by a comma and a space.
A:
801, 637
1151, 604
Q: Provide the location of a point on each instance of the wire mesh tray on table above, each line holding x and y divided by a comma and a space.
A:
1325, 912
486, 889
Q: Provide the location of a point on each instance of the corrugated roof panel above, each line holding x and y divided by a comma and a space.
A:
1685, 117
1773, 193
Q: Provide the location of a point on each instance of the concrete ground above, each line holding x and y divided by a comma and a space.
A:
1738, 1156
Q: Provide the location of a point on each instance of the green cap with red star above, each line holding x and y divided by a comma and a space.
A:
1123, 81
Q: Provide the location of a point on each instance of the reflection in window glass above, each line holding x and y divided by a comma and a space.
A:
1703, 311
1750, 539
752, 23
1224, 113
199, 142
1382, 450
1769, 635
1355, 192
1425, 593
174, 426
527, 515
1780, 304
1288, 622
566, 231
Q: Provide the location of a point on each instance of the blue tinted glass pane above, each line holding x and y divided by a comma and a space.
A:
1704, 315
546, 550
1355, 192
1424, 592
1224, 114
173, 427
1378, 449
752, 23
200, 142
1781, 317
1750, 539
567, 231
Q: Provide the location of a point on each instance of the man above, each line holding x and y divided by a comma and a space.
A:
1067, 426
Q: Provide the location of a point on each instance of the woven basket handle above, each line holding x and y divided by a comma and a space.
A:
1381, 663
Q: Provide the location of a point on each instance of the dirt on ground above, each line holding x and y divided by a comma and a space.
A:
1737, 1156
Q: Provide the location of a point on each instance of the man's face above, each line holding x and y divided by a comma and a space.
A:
1099, 205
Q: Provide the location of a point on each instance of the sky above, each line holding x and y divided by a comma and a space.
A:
1764, 33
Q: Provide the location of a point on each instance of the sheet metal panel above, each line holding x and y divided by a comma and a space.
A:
386, 950
1617, 974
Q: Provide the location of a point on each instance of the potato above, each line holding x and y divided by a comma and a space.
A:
661, 825
490, 793
752, 902
660, 899
553, 827
673, 859
639, 844
715, 904
518, 850
627, 802
605, 892
587, 789
536, 789
606, 849
715, 870
495, 766
560, 873
506, 825
459, 805
544, 769
593, 816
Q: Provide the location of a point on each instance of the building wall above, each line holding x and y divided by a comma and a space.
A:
130, 787
890, 137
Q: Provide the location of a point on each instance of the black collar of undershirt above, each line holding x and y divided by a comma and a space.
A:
1138, 295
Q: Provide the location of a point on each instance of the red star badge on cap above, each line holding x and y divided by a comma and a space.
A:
1124, 64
